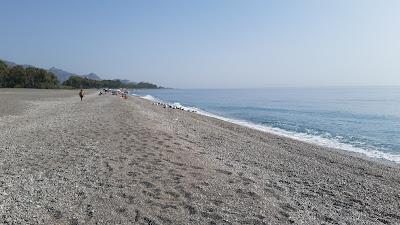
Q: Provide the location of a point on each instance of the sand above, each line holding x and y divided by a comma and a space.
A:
111, 161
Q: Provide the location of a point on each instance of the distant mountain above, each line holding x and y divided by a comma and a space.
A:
128, 82
12, 64
9, 64
92, 76
61, 74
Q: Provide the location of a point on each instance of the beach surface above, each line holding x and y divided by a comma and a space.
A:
106, 160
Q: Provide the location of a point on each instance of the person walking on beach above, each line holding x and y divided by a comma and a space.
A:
81, 94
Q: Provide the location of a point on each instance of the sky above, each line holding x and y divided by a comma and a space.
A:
209, 43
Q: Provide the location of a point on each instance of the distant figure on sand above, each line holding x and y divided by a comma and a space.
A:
81, 94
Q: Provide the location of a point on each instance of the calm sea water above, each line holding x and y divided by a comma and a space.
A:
359, 119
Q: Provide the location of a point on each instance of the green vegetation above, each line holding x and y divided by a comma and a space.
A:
20, 77
82, 82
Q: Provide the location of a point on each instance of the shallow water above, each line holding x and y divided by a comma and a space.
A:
360, 119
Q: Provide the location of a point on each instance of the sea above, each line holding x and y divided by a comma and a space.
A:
364, 120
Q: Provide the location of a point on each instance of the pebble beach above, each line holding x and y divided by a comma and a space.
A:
107, 160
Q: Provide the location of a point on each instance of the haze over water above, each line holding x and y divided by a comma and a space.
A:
360, 119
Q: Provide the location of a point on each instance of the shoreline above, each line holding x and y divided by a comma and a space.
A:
112, 161
339, 150
262, 128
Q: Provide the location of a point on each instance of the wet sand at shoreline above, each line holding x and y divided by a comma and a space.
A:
111, 161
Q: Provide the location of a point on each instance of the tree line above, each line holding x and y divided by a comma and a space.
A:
20, 77
82, 82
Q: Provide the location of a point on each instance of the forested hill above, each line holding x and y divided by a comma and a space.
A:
26, 77
83, 82
22, 76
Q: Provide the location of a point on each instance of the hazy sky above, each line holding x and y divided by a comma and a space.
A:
209, 44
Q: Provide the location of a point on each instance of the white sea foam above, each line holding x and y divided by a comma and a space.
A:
313, 139
151, 98
178, 105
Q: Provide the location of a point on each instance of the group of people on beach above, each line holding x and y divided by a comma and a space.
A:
123, 94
